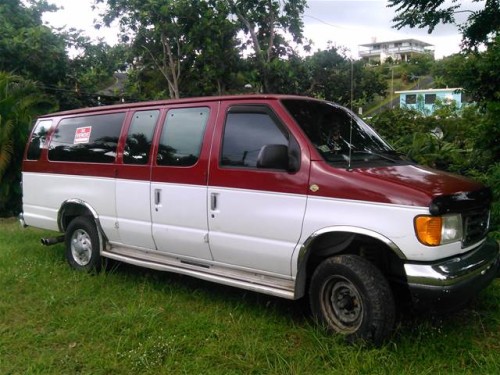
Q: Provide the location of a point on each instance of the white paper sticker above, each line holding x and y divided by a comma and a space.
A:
82, 135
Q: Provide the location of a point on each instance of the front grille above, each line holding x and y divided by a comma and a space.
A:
476, 225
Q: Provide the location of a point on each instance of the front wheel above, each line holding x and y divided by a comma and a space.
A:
350, 296
82, 245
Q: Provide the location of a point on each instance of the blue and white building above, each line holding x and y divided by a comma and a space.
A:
424, 100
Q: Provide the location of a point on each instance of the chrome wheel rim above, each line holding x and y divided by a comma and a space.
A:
81, 247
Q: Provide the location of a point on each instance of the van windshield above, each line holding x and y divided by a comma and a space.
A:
338, 134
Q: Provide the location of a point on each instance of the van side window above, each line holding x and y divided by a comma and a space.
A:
182, 136
140, 137
244, 136
38, 139
91, 139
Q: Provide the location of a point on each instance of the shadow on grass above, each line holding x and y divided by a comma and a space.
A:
297, 310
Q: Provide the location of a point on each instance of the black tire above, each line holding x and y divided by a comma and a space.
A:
350, 296
82, 245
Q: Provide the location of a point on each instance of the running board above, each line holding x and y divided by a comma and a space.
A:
242, 279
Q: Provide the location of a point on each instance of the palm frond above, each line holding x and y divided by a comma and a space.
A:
6, 144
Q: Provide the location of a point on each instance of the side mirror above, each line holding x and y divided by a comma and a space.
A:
273, 157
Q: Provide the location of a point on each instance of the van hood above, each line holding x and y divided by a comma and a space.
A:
427, 180
411, 185
448, 192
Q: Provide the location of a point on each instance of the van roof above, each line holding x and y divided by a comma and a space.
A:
176, 101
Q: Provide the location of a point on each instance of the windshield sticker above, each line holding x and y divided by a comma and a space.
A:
82, 135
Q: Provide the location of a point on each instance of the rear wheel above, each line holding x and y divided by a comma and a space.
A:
350, 296
82, 245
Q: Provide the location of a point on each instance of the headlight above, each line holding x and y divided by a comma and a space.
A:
438, 230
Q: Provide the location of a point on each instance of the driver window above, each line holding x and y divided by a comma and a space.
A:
244, 135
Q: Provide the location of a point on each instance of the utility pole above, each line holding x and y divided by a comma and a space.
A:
392, 86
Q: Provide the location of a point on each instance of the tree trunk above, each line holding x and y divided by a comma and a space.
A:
263, 60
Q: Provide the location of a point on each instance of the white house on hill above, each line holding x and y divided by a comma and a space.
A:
398, 50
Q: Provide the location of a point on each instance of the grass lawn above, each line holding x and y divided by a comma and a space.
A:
129, 320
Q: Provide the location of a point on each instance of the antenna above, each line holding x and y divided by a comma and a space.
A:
349, 167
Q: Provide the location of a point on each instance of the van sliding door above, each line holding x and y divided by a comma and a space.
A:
133, 182
179, 182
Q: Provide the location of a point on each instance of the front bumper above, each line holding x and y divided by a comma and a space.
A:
449, 284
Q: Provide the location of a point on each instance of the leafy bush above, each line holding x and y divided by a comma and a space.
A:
491, 178
19, 102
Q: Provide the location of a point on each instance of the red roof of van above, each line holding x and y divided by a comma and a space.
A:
176, 101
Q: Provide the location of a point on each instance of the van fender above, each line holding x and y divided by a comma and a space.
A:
77, 207
307, 246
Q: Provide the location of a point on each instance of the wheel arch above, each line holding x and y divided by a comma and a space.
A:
329, 241
72, 208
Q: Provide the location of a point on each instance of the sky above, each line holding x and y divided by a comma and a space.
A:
344, 23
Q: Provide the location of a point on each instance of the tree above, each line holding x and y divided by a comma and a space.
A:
93, 68
333, 76
27, 47
480, 73
474, 72
480, 27
172, 37
266, 22
31, 50
290, 75
449, 70
217, 60
156, 28
20, 100
196, 40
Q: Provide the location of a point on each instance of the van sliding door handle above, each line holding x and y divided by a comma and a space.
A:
213, 201
157, 197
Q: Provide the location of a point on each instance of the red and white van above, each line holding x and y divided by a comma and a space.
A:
283, 195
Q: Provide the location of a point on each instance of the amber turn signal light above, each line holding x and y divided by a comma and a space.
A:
428, 229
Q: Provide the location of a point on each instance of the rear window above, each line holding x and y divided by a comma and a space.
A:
38, 139
90, 139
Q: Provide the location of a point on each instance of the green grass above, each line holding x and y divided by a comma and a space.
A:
134, 321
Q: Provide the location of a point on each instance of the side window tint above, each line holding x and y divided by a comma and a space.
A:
140, 137
244, 136
182, 136
38, 139
91, 139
